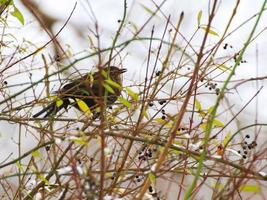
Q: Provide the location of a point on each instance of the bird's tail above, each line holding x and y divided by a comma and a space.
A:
52, 108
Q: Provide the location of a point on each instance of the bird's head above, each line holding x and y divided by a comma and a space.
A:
115, 70
115, 73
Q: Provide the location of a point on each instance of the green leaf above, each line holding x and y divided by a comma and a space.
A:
152, 177
42, 178
163, 122
125, 102
81, 141
108, 88
104, 73
199, 16
250, 188
19, 166
227, 138
59, 102
219, 186
85, 92
174, 151
36, 154
97, 109
17, 14
198, 105
90, 77
145, 114
113, 83
134, 27
5, 2
217, 123
83, 106
203, 126
212, 32
224, 68
160, 121
210, 109
199, 108
147, 9
132, 94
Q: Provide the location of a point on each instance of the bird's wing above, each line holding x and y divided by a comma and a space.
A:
79, 86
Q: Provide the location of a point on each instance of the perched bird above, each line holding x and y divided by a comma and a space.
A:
89, 89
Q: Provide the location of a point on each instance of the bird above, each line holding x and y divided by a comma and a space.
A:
89, 89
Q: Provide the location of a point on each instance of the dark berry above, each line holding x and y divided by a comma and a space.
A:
5, 82
163, 111
244, 156
150, 104
163, 117
253, 144
247, 136
245, 152
150, 189
161, 102
239, 151
47, 148
217, 91
158, 73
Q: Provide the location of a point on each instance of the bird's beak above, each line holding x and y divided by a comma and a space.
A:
123, 70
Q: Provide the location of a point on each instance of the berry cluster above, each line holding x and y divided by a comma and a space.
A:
241, 61
226, 45
153, 193
145, 153
161, 102
247, 146
213, 86
163, 114
139, 178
